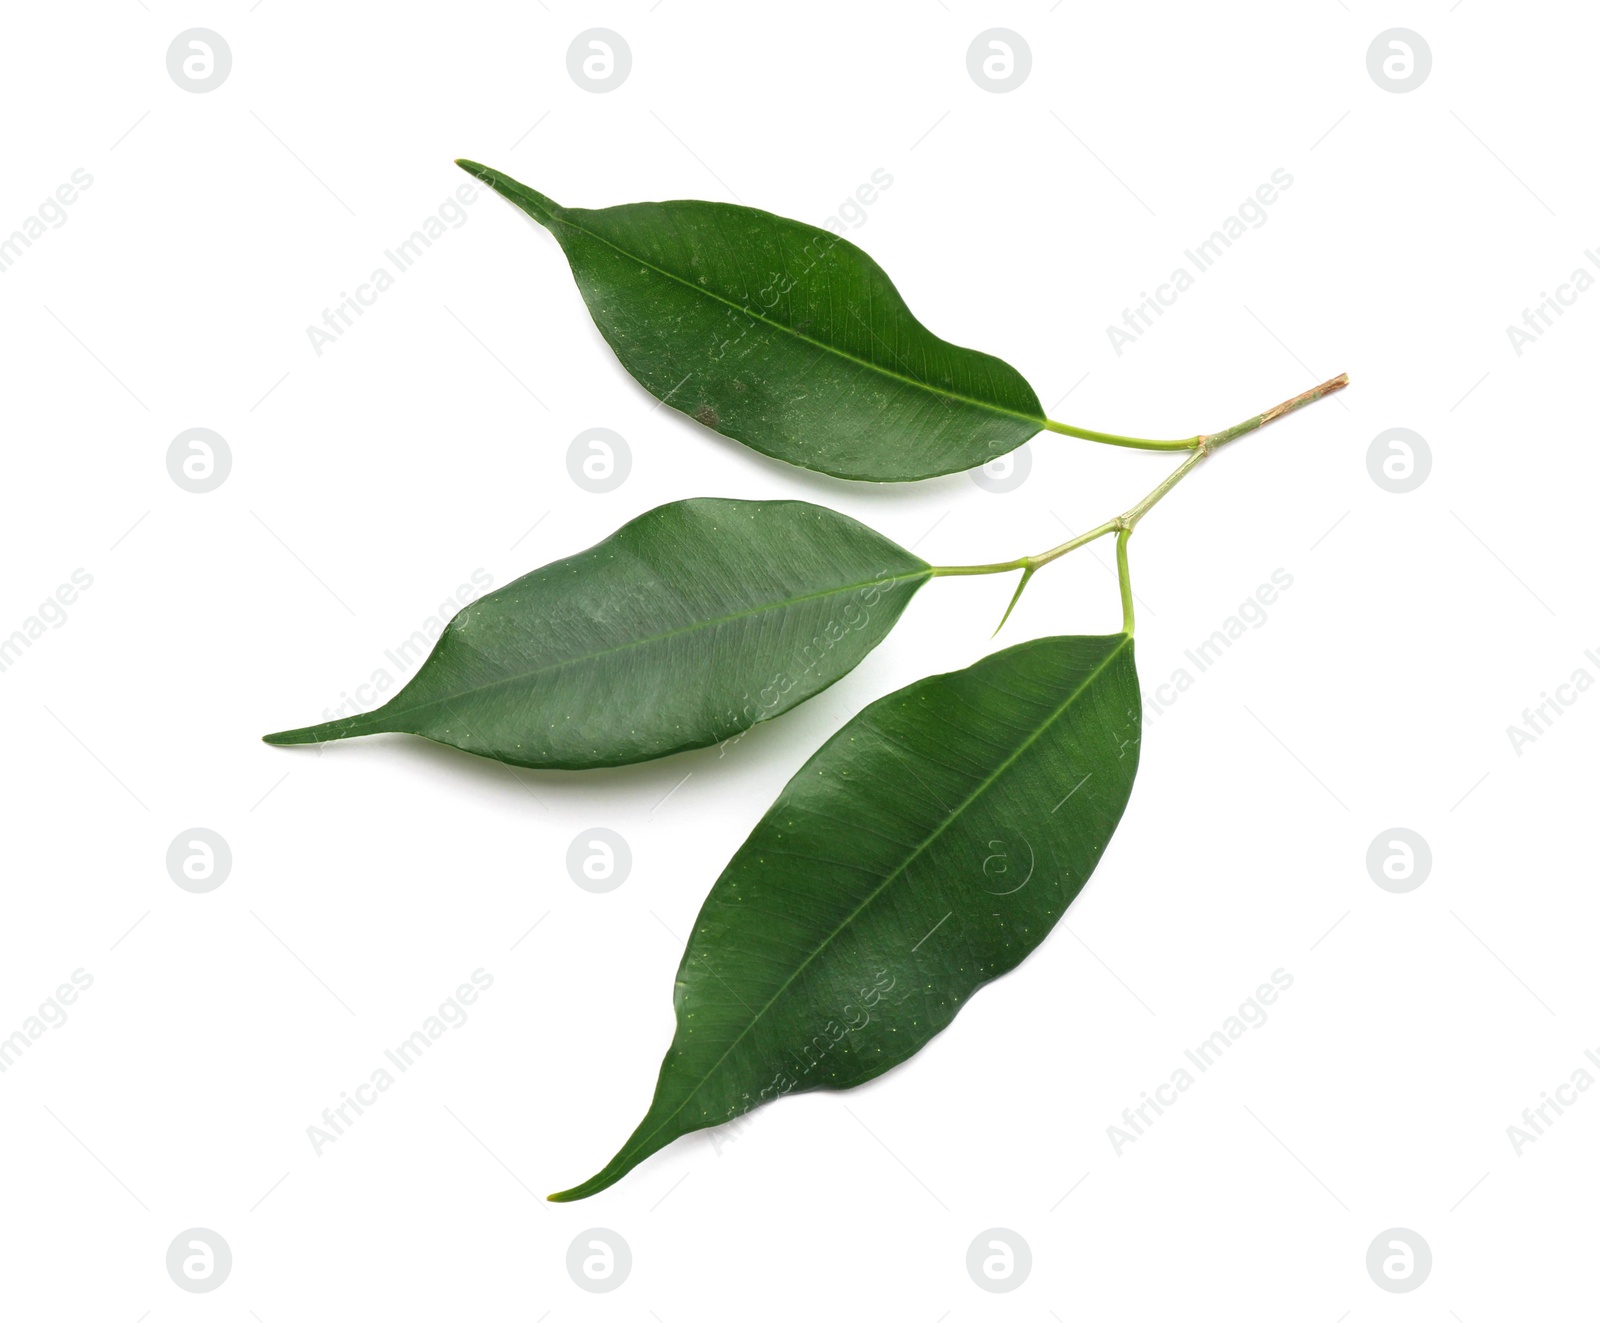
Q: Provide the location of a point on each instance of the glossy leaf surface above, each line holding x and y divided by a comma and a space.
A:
783, 336
682, 629
925, 849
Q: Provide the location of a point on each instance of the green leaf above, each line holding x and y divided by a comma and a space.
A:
783, 336
682, 629
925, 849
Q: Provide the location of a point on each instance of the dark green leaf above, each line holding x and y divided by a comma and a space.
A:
925, 849
683, 628
783, 336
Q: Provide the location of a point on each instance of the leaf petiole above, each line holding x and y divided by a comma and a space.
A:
1124, 585
1210, 441
1112, 439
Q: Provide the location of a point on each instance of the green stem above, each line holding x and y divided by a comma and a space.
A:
1142, 507
1123, 525
1112, 439
1211, 440
1124, 585
1029, 563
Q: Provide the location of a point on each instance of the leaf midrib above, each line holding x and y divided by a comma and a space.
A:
523, 676
806, 339
911, 858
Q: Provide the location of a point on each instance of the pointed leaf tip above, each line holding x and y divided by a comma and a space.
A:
605, 1178
535, 203
281, 737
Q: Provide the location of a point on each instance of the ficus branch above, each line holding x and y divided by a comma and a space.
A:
1123, 525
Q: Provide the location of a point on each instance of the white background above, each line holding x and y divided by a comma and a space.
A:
371, 879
